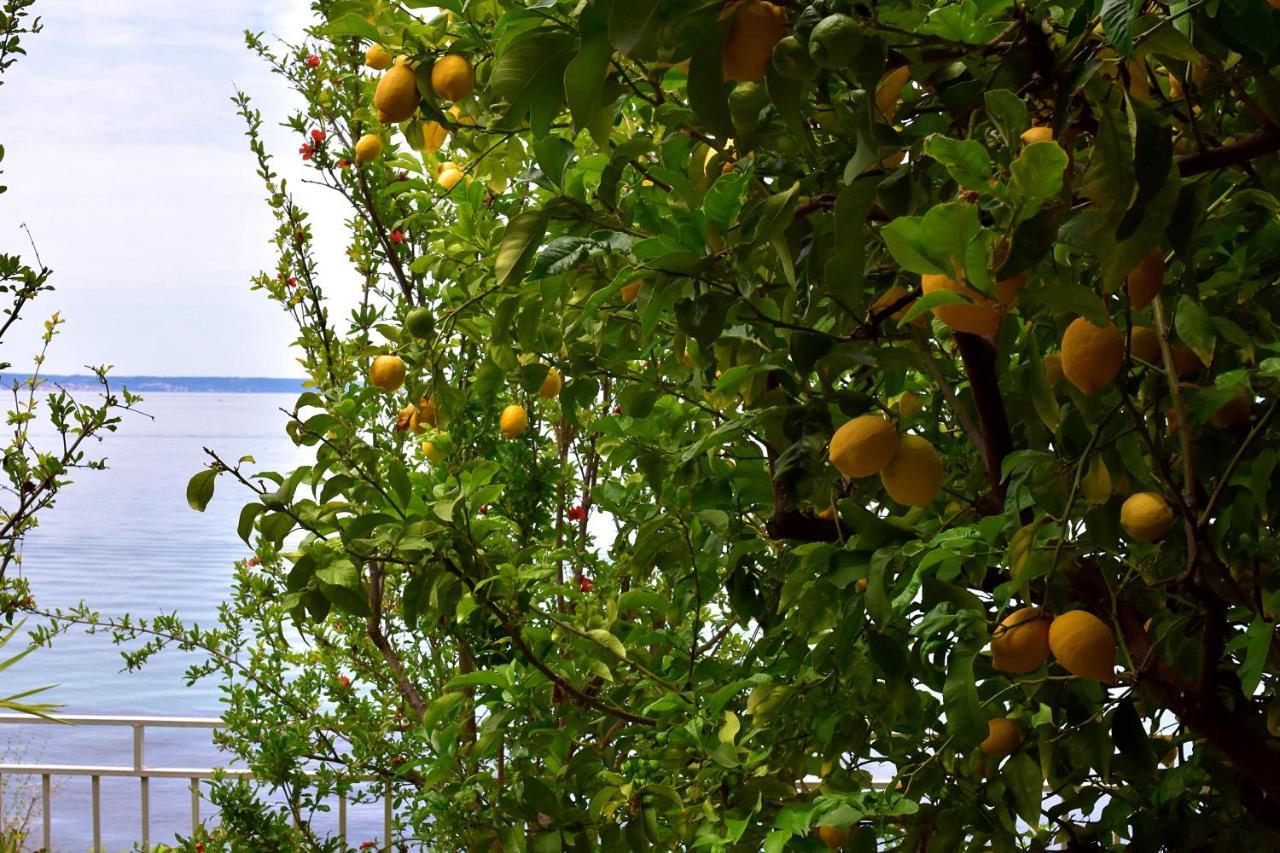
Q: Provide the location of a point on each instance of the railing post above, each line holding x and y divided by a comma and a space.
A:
139, 744
45, 796
195, 804
96, 785
342, 817
386, 817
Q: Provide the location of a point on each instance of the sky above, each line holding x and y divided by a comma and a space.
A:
124, 156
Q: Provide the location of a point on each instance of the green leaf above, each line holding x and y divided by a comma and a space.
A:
776, 214
929, 301
352, 24
519, 244
1022, 776
708, 91
632, 23
1195, 327
960, 697
529, 76
1037, 176
965, 159
585, 75
1257, 646
609, 641
1008, 112
248, 515
200, 489
936, 242
1117, 25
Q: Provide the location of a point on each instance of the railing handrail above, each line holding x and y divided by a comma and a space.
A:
112, 720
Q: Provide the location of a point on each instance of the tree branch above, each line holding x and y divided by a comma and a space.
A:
1266, 141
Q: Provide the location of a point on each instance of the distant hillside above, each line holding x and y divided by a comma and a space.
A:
161, 384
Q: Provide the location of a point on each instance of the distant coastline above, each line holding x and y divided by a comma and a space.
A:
168, 384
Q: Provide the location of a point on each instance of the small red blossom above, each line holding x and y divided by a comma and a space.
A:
397, 236
617, 410
292, 282
368, 845
317, 135
343, 164
577, 513
307, 151
199, 847
344, 681
484, 510
255, 560
586, 584
313, 61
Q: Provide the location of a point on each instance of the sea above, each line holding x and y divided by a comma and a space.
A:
124, 540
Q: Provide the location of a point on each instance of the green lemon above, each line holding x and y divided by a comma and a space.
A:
792, 59
745, 103
420, 323
836, 41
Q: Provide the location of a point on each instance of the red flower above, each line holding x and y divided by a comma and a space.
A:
344, 681
292, 282
577, 513
199, 847
343, 164
397, 236
255, 560
306, 151
313, 61
617, 410
484, 510
586, 584
317, 135
403, 176
368, 845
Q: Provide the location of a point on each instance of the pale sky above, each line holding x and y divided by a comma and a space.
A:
125, 157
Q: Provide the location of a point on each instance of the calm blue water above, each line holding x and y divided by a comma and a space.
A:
124, 540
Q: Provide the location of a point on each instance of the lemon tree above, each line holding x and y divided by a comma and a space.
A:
850, 425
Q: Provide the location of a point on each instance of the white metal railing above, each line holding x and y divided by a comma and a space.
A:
140, 771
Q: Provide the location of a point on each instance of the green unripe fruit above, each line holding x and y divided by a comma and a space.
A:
745, 103
836, 41
420, 323
792, 60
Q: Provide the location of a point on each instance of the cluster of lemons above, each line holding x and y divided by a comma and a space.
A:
387, 373
397, 99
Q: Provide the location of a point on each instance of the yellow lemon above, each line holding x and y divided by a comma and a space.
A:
449, 178
910, 405
1186, 362
387, 373
1032, 135
1021, 642
980, 316
377, 58
1003, 738
1091, 355
369, 148
863, 446
891, 297
1144, 344
1145, 280
397, 94
551, 385
513, 422
433, 136
427, 413
748, 44
834, 837
452, 78
1235, 413
630, 292
1084, 645
433, 453
1053, 369
406, 418
914, 475
889, 90
1146, 516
